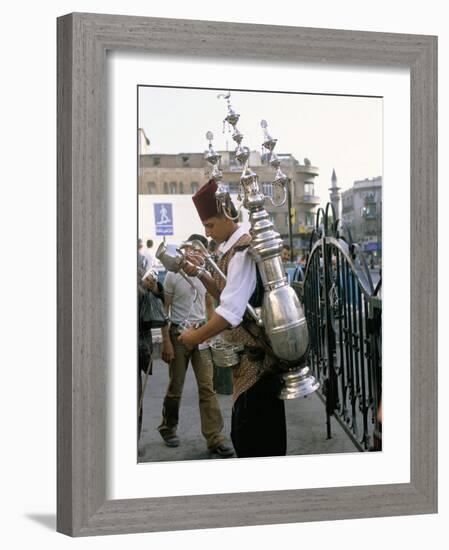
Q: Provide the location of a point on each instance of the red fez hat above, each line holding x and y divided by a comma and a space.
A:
205, 201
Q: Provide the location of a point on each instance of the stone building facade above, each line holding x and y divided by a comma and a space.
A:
362, 211
185, 173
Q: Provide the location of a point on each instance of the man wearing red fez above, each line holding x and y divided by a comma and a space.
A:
258, 416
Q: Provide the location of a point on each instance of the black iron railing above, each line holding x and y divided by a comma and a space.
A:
344, 314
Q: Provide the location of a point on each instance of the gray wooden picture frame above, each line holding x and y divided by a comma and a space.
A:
83, 40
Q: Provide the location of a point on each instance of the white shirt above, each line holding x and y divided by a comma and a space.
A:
149, 256
241, 281
182, 294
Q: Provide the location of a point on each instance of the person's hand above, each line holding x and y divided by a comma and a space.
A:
191, 263
189, 338
168, 353
190, 269
153, 286
150, 284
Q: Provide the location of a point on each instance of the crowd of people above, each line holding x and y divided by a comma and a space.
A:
199, 309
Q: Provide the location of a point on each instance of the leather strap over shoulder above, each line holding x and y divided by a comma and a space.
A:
241, 247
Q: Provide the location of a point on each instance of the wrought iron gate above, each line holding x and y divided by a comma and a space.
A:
344, 314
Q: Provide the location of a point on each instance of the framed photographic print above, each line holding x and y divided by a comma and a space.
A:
173, 168
104, 62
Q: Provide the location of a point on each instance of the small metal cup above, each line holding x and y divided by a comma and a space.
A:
225, 354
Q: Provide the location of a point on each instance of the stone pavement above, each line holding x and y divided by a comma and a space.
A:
306, 423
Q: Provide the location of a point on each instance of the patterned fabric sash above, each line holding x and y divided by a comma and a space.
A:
248, 371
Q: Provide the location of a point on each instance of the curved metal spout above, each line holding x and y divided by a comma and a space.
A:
173, 259
282, 201
224, 202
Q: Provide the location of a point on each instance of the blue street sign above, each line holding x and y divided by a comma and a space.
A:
370, 247
163, 218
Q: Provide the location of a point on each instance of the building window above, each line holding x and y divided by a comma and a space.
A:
165, 188
151, 188
194, 186
370, 229
310, 219
233, 161
348, 204
181, 188
156, 161
309, 189
267, 189
172, 188
234, 187
369, 211
185, 160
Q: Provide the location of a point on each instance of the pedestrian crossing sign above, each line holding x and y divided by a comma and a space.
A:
163, 218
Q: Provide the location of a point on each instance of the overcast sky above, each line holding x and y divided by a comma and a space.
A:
334, 132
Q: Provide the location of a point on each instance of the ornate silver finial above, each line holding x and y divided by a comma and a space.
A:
269, 142
282, 316
212, 157
237, 136
242, 154
280, 179
232, 117
226, 96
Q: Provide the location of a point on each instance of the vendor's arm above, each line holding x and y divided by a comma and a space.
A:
233, 301
193, 337
240, 285
210, 306
190, 266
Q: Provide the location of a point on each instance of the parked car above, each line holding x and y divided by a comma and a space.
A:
295, 273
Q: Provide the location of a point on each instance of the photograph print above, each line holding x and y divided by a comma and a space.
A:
259, 274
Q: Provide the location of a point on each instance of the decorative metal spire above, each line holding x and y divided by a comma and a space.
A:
213, 158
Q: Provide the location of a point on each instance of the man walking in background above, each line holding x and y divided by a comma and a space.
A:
147, 284
142, 262
149, 254
184, 310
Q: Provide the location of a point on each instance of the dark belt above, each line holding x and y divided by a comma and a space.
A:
198, 323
